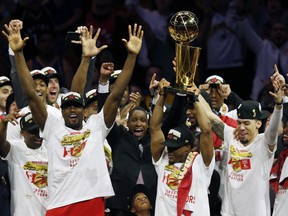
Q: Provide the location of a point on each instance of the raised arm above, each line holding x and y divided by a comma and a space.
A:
271, 132
89, 50
156, 134
206, 140
35, 102
133, 47
216, 122
20, 98
4, 144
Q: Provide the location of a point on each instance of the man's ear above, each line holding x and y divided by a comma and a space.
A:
258, 124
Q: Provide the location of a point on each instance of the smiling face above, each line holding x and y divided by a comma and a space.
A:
41, 88
248, 130
191, 115
53, 90
5, 91
73, 115
140, 203
178, 155
138, 123
32, 138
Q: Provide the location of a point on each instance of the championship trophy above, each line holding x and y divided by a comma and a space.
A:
183, 28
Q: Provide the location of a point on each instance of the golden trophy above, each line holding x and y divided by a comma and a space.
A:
183, 28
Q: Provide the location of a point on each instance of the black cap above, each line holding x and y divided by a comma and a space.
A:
9, 101
138, 188
179, 136
90, 96
5, 81
38, 74
27, 123
250, 109
71, 98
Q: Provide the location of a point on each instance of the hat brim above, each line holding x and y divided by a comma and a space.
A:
172, 144
55, 75
42, 77
34, 126
90, 100
6, 83
70, 103
264, 114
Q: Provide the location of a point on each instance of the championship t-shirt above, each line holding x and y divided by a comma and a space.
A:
28, 179
167, 190
246, 187
77, 165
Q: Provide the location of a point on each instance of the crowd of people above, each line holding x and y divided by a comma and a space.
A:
88, 127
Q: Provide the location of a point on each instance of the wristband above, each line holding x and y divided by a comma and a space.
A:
1, 117
281, 103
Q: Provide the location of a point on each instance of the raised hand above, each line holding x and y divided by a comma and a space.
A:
163, 83
278, 85
224, 90
89, 48
135, 98
12, 118
14, 38
107, 68
153, 86
134, 44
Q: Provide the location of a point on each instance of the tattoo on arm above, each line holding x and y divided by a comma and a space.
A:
218, 128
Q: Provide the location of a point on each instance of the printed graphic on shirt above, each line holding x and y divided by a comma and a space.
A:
108, 157
240, 159
174, 175
36, 173
74, 144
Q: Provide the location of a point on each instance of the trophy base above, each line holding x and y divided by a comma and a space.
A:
174, 90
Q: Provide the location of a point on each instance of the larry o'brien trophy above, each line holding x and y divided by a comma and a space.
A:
183, 28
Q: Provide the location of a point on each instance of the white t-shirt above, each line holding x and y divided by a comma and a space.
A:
28, 179
281, 200
13, 131
197, 200
246, 183
77, 165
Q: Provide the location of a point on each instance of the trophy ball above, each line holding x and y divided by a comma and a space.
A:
183, 27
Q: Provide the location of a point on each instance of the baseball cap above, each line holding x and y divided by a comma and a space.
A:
179, 136
27, 123
5, 81
50, 72
71, 98
250, 109
138, 188
90, 96
215, 79
114, 76
38, 74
